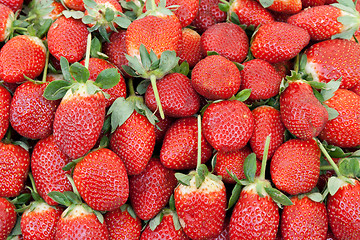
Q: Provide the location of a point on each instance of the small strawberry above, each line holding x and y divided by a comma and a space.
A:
227, 39
7, 218
295, 166
216, 77
287, 42
209, 14
190, 48
122, 223
5, 100
186, 12
282, 6
161, 127
22, 55
7, 17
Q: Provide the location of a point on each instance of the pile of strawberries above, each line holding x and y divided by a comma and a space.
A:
182, 119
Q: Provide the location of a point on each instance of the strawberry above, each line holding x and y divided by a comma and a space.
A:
186, 12
47, 162
287, 41
327, 21
295, 166
209, 14
22, 55
179, 147
31, 115
189, 48
343, 131
332, 59
263, 84
102, 170
224, 235
288, 7
250, 12
166, 229
301, 112
306, 219
216, 77
7, 218
6, 20
77, 5
122, 223
178, 97
71, 45
356, 89
161, 127
227, 39
5, 100
15, 164
14, 5
228, 125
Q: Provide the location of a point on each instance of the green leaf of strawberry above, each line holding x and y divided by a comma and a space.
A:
79, 72
278, 196
56, 89
250, 167
107, 78
156, 221
59, 198
183, 178
235, 194
120, 111
334, 184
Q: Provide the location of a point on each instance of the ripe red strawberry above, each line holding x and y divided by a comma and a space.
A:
287, 42
325, 21
332, 59
80, 221
344, 211
233, 162
208, 15
228, 125
186, 12
6, 20
216, 77
179, 148
7, 218
301, 112
100, 177
189, 48
264, 84
224, 235
56, 12
306, 219
288, 7
344, 130
123, 225
161, 127
30, 50
31, 115
38, 222
5, 100
250, 12
267, 122
165, 230
14, 5
356, 89
177, 95
67, 38
227, 39
77, 5
150, 190
47, 162
312, 3
15, 164
295, 166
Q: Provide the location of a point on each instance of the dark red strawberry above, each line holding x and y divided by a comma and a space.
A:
7, 218
208, 15
161, 127
190, 48
14, 5
5, 100
186, 12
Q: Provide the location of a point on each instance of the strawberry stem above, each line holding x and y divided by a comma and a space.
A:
71, 180
264, 160
157, 97
198, 142
131, 87
326, 168
88, 48
328, 157
46, 67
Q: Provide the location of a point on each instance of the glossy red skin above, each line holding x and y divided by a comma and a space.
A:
165, 230
250, 12
78, 122
5, 18
40, 225
7, 218
216, 77
267, 122
5, 100
67, 38
224, 235
254, 217
233, 162
264, 84
343, 131
76, 5
301, 112
295, 166
32, 115
14, 168
189, 48
55, 13
21, 55
14, 5
47, 162
150, 190
134, 143
333, 59
286, 42
320, 21
177, 96
228, 125
305, 219
186, 12
208, 15
161, 127
179, 148
154, 32
97, 65
122, 225
344, 212
227, 39
101, 180
288, 7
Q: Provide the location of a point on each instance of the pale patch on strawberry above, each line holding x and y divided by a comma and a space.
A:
77, 211
38, 41
9, 23
251, 189
310, 68
207, 187
40, 207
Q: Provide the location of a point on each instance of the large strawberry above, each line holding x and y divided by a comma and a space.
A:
22, 56
5, 100
7, 218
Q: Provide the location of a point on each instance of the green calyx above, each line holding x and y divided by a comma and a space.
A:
158, 10
350, 19
153, 223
